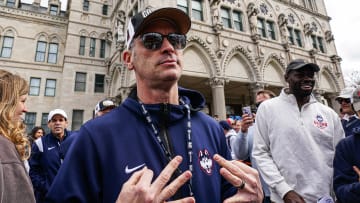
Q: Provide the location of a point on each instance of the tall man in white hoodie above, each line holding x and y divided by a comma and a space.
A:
295, 138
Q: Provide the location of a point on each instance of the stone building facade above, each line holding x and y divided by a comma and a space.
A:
72, 57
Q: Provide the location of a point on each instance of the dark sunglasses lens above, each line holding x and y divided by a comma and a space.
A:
344, 100
152, 41
178, 41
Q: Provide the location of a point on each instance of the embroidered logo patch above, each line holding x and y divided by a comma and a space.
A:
205, 160
319, 122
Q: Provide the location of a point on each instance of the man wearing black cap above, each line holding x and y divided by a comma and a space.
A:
157, 145
294, 139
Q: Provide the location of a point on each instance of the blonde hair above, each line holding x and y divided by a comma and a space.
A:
12, 87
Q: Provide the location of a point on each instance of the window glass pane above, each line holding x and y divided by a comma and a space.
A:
50, 87
197, 10
92, 47
261, 27
77, 119
182, 3
30, 120
53, 10
80, 82
99, 83
10, 3
102, 48
44, 122
321, 45
52, 55
105, 9
40, 51
298, 37
86, 5
225, 17
34, 86
82, 46
238, 20
270, 29
7, 47
291, 35
313, 39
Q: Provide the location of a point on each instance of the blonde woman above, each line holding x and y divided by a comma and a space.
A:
15, 184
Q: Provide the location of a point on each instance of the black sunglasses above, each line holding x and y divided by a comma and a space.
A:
347, 100
153, 40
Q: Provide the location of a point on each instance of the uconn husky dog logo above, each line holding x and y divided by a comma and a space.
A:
206, 163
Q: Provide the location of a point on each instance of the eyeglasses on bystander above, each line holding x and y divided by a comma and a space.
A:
346, 100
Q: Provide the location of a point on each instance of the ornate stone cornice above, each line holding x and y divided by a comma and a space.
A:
26, 15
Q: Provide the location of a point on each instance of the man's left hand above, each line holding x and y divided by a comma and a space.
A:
245, 178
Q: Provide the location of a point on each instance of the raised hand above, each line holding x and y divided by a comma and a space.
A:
140, 189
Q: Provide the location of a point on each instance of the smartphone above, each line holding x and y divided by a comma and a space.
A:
247, 110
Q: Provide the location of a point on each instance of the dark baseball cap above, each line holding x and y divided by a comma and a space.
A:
225, 125
300, 63
174, 15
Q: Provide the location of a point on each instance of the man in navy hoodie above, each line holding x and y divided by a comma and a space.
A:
347, 162
46, 158
157, 145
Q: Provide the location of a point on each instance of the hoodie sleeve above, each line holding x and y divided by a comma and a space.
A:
240, 146
78, 179
346, 181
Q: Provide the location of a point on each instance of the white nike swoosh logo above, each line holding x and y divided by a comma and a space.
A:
130, 170
50, 148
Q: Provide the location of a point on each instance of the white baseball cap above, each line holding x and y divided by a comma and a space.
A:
346, 93
57, 112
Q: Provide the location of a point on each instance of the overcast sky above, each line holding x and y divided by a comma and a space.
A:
345, 24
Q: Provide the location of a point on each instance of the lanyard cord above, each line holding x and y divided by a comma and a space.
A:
165, 150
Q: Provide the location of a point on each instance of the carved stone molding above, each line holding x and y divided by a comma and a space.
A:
329, 36
247, 55
213, 56
217, 81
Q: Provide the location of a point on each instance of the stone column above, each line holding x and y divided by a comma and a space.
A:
218, 97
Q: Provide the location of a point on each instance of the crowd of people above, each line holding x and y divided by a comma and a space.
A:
158, 145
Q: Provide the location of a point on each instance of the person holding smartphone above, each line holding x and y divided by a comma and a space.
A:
243, 142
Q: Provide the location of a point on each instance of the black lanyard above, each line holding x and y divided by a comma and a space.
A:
165, 150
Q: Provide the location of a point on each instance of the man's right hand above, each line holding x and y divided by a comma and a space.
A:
140, 189
293, 197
